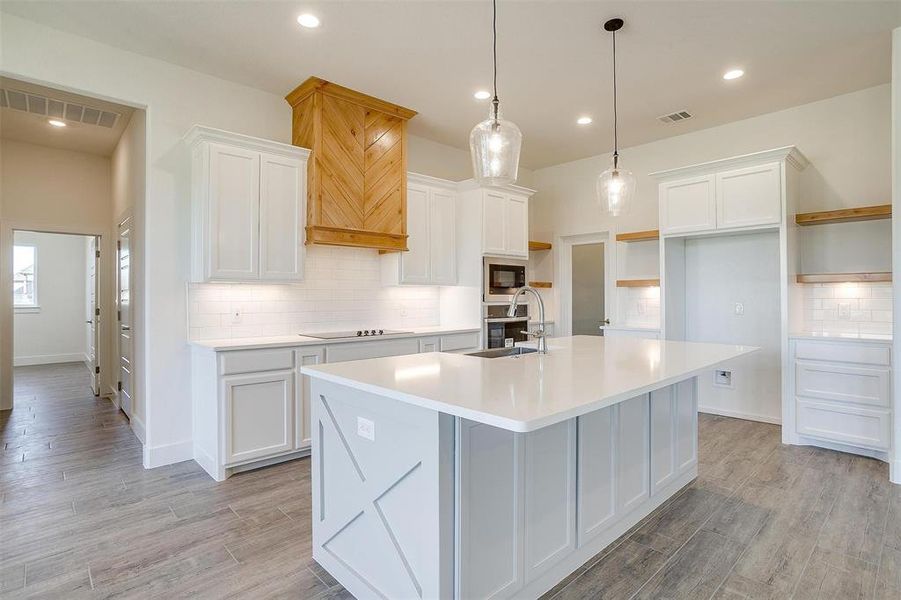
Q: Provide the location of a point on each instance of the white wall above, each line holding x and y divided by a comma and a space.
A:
128, 185
56, 331
175, 98
40, 189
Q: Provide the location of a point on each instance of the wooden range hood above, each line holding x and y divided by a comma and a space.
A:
357, 173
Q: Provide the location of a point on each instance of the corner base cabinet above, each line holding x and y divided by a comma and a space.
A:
247, 208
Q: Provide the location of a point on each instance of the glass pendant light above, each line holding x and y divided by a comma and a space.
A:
615, 186
494, 143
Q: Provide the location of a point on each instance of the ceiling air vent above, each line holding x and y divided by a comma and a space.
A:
679, 115
40, 105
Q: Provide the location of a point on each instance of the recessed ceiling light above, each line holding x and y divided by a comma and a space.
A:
583, 120
733, 74
482, 95
57, 123
309, 21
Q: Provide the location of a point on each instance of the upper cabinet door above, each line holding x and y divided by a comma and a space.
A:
414, 263
688, 205
749, 196
281, 218
517, 222
442, 239
494, 222
233, 225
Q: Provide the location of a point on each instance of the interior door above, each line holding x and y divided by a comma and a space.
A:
123, 300
92, 257
588, 314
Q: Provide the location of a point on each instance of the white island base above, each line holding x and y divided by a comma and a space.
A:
437, 506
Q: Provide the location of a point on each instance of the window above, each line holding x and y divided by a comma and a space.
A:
25, 291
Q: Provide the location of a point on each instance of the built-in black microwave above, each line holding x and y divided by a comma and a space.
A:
502, 277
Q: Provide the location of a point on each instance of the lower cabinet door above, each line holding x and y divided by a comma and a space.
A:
633, 478
550, 496
304, 357
490, 518
674, 446
258, 415
596, 495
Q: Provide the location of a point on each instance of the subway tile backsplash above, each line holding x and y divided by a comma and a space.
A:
848, 308
342, 290
639, 307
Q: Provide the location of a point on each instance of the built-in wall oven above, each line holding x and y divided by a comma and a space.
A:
501, 331
502, 277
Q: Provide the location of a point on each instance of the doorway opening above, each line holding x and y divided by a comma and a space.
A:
56, 306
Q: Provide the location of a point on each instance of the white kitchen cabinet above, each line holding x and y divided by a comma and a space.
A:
259, 415
251, 407
597, 472
505, 224
688, 205
304, 356
743, 192
431, 258
633, 476
282, 182
248, 203
748, 197
843, 394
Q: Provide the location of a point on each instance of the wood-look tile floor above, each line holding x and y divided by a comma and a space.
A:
80, 517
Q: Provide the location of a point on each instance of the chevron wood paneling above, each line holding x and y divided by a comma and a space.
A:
357, 175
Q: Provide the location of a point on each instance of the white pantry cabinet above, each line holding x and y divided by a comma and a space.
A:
745, 192
247, 207
499, 214
251, 407
431, 258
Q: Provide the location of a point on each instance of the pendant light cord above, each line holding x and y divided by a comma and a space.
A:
615, 136
495, 101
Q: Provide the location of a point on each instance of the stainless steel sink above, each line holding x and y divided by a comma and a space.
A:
515, 351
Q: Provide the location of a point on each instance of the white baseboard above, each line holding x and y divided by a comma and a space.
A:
894, 471
47, 359
169, 454
739, 415
137, 426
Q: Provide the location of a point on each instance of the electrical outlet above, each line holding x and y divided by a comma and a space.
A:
365, 429
237, 318
722, 378
844, 310
739, 308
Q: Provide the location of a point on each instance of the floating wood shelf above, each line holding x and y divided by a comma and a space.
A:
843, 277
638, 236
845, 215
540, 284
539, 245
637, 283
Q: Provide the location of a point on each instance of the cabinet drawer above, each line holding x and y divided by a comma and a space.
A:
870, 354
371, 349
857, 426
249, 361
459, 341
843, 383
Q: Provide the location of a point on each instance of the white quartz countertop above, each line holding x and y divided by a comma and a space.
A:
288, 341
842, 336
579, 375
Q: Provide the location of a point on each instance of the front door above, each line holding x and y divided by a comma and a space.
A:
588, 315
123, 300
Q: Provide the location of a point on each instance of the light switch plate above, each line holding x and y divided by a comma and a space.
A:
366, 429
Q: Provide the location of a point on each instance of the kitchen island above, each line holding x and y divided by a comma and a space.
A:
453, 476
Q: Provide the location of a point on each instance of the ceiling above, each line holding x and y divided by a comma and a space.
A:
555, 61
24, 126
